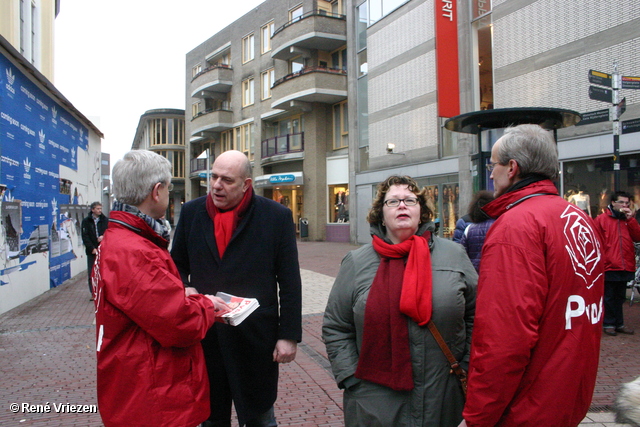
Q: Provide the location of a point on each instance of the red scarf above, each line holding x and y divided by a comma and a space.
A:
396, 291
226, 222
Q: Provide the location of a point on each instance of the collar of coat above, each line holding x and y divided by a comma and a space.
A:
137, 225
510, 199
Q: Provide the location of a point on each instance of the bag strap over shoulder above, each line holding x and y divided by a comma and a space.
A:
455, 366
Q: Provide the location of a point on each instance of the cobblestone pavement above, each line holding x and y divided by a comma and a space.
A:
47, 349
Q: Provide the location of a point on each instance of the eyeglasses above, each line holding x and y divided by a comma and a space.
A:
620, 202
169, 187
491, 166
394, 203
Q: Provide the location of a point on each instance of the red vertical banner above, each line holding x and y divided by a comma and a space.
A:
448, 82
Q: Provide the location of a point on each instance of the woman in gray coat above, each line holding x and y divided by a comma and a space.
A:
375, 325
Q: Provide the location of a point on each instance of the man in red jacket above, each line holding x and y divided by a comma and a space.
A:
619, 231
536, 335
151, 368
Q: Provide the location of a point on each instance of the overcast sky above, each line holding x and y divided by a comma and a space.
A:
116, 59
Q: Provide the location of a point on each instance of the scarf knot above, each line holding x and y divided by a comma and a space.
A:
226, 222
397, 291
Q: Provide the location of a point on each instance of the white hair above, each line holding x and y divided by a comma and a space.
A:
135, 175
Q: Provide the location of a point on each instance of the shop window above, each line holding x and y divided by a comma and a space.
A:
589, 183
339, 203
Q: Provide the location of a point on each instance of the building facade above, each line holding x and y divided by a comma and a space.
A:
28, 25
163, 131
273, 85
49, 175
507, 54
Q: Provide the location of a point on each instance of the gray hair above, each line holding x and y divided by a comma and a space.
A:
135, 175
533, 148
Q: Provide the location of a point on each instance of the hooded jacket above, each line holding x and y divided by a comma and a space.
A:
618, 236
151, 368
436, 399
536, 337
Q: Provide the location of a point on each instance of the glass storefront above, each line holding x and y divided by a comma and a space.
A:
339, 203
589, 183
443, 197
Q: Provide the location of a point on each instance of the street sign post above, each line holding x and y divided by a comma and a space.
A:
600, 94
599, 78
630, 82
630, 126
594, 117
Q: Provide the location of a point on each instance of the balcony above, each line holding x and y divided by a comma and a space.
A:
284, 147
210, 121
313, 30
311, 84
197, 166
217, 78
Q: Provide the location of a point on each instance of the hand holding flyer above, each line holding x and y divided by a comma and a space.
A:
241, 308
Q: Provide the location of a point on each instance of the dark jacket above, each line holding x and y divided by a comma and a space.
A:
151, 369
461, 225
618, 236
473, 239
260, 260
89, 238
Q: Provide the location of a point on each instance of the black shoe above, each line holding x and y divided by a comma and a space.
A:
625, 330
610, 331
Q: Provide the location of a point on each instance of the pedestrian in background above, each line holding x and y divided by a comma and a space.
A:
474, 234
536, 336
151, 368
237, 242
619, 230
382, 353
93, 227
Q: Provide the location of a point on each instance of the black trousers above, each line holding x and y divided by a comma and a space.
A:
91, 259
615, 294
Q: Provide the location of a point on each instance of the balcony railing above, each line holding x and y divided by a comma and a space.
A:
198, 165
308, 70
291, 143
308, 15
213, 67
210, 110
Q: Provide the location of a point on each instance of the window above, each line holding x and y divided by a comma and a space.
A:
178, 132
244, 138
247, 92
296, 64
340, 125
195, 109
248, 48
227, 141
266, 33
339, 59
176, 158
196, 70
339, 203
295, 14
157, 132
268, 78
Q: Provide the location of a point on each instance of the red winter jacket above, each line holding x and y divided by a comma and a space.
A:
536, 335
151, 368
618, 236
